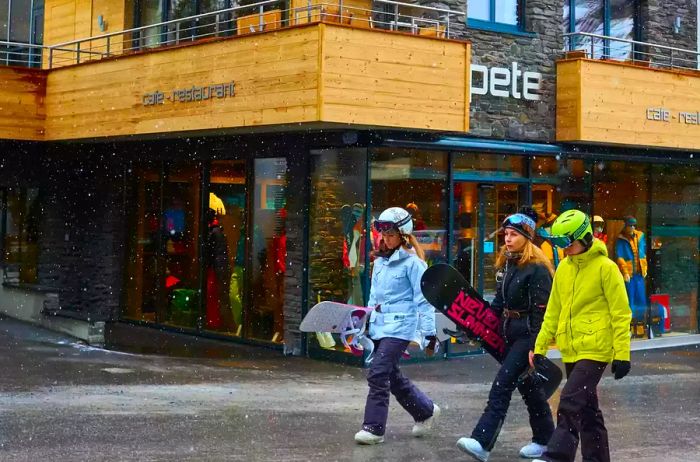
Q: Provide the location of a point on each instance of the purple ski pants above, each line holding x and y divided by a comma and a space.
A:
385, 377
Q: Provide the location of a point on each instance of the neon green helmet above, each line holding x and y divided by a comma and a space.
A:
571, 226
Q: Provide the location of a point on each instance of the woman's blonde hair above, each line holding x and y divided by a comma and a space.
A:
410, 239
530, 254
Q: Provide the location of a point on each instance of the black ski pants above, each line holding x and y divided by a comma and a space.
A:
578, 414
514, 364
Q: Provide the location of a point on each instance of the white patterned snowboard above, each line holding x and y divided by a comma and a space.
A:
334, 317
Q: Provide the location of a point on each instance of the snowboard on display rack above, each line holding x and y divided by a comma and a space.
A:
348, 321
446, 289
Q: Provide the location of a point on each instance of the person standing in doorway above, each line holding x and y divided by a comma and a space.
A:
589, 317
523, 282
400, 311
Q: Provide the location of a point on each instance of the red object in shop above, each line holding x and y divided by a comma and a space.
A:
213, 316
665, 301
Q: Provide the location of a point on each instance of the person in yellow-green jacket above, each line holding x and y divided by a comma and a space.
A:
588, 316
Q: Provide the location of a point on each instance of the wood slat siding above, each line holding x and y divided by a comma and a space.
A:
22, 103
275, 77
395, 80
67, 20
607, 102
315, 73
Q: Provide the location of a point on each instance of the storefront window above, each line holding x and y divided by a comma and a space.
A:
486, 189
337, 234
414, 180
224, 248
20, 225
180, 228
558, 185
621, 198
266, 320
673, 248
143, 264
163, 266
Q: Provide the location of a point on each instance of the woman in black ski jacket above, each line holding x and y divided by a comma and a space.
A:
523, 282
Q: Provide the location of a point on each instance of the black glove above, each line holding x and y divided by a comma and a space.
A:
540, 367
536, 374
620, 368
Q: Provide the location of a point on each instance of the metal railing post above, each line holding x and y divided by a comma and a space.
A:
108, 37
261, 23
50, 58
671, 58
77, 52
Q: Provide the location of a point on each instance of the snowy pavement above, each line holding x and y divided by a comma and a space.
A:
61, 401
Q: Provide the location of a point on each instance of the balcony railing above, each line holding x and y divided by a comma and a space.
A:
640, 53
20, 54
259, 17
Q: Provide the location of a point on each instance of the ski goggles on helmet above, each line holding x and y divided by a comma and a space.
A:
521, 223
384, 226
561, 241
565, 241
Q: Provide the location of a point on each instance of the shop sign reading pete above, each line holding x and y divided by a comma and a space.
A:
504, 82
191, 94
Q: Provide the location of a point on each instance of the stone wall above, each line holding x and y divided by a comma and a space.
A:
658, 18
535, 51
81, 241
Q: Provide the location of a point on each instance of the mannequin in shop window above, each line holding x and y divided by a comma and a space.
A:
218, 274
418, 222
353, 250
631, 254
279, 252
599, 229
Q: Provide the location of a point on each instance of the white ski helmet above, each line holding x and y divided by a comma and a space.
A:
395, 218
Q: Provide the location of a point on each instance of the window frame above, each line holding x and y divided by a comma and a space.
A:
607, 18
494, 26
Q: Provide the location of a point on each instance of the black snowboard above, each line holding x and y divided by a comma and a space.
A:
447, 290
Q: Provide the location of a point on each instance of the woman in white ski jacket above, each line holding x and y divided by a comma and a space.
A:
401, 314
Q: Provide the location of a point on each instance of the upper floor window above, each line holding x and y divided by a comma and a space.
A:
21, 23
498, 15
617, 19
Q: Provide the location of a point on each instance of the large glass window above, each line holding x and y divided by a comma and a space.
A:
225, 254
482, 199
20, 14
21, 21
558, 185
414, 180
163, 266
150, 12
266, 320
21, 221
621, 198
337, 234
601, 17
674, 244
180, 252
155, 11
495, 14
